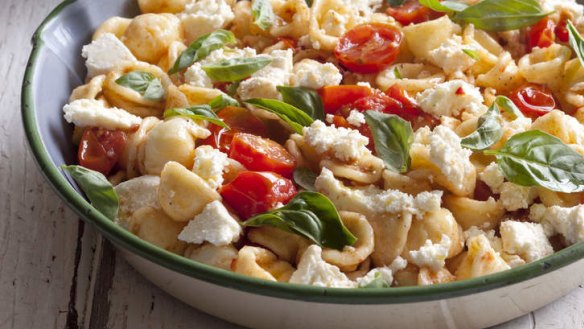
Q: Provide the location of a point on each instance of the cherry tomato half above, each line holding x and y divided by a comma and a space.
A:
541, 34
335, 98
412, 12
252, 192
561, 31
261, 154
369, 48
100, 149
533, 100
239, 120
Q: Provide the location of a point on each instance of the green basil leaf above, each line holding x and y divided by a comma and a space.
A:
309, 3
201, 48
444, 6
535, 158
576, 41
393, 137
144, 83
305, 178
377, 282
97, 188
304, 99
293, 116
222, 101
395, 3
502, 15
489, 131
397, 73
263, 13
311, 215
472, 53
508, 106
231, 70
198, 112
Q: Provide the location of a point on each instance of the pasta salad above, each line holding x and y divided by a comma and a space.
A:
339, 143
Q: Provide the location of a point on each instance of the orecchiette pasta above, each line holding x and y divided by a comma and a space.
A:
162, 6
148, 36
154, 226
263, 264
218, 256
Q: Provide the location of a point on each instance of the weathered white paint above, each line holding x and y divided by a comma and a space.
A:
39, 236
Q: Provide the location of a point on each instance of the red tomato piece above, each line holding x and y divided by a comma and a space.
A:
533, 100
239, 120
261, 154
100, 149
335, 98
541, 34
561, 31
412, 12
369, 48
252, 192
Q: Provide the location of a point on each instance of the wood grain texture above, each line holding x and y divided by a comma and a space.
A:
56, 272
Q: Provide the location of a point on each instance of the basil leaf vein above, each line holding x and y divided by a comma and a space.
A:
311, 215
144, 83
199, 112
489, 131
535, 158
263, 13
293, 116
201, 48
304, 99
502, 15
393, 137
97, 188
235, 69
306, 178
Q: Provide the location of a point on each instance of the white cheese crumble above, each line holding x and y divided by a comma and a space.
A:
210, 164
105, 54
515, 197
347, 145
426, 202
312, 74
527, 240
222, 54
313, 270
356, 118
493, 177
214, 225
452, 98
195, 76
385, 273
92, 113
568, 222
432, 255
264, 83
494, 240
201, 17
450, 56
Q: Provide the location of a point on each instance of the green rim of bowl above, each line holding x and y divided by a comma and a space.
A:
123, 238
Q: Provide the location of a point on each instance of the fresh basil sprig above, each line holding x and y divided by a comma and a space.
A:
222, 101
263, 13
144, 83
377, 282
97, 188
198, 112
489, 131
306, 178
444, 6
509, 107
293, 116
393, 137
236, 69
311, 215
535, 158
304, 99
576, 41
201, 48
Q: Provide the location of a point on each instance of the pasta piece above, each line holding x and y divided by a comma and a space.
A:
183, 194
480, 260
550, 198
162, 6
428, 277
424, 37
149, 35
135, 194
115, 25
561, 125
129, 159
545, 65
407, 276
486, 47
154, 226
395, 181
90, 90
469, 212
367, 170
217, 256
503, 77
293, 18
197, 95
287, 246
413, 77
261, 263
174, 51
244, 28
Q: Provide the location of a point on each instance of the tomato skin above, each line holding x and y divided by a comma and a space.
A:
561, 31
335, 98
100, 149
252, 192
533, 100
239, 120
261, 154
412, 12
369, 48
541, 34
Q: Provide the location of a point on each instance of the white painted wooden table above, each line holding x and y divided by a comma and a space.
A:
56, 272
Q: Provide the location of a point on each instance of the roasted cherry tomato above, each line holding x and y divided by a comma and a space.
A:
261, 154
541, 34
253, 192
561, 31
533, 100
369, 48
100, 149
335, 98
239, 120
412, 12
